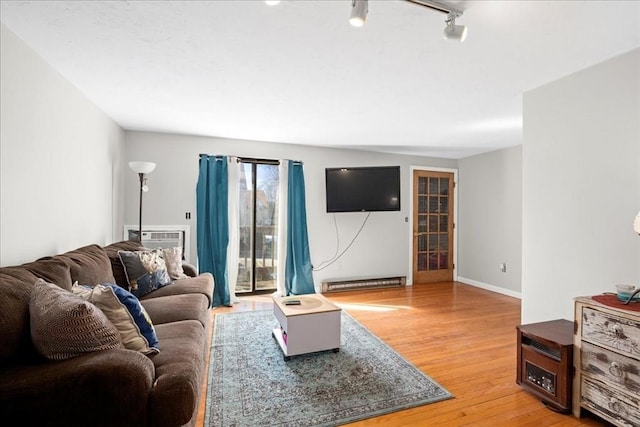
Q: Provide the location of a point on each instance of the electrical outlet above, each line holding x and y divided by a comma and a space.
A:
187, 215
503, 267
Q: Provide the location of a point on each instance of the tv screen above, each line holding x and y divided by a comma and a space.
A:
363, 189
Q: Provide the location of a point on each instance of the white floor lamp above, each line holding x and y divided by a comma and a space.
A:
142, 168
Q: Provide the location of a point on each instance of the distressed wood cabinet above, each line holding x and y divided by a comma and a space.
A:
607, 362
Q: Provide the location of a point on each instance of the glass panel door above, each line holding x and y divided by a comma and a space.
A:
258, 227
433, 226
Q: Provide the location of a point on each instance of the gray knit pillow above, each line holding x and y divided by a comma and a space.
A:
64, 325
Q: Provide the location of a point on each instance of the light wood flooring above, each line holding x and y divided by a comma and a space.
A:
461, 336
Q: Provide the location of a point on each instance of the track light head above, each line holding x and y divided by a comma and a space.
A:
453, 31
359, 9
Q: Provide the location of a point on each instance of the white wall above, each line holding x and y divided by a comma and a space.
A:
490, 220
581, 187
61, 161
381, 249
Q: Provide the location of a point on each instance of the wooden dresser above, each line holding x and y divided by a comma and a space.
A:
607, 362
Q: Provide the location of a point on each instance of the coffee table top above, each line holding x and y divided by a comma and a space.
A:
309, 304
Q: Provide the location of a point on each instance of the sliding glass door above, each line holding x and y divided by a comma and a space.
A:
259, 182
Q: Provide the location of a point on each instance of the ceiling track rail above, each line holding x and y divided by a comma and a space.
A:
438, 6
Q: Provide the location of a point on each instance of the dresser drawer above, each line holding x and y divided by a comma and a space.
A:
620, 408
610, 367
612, 331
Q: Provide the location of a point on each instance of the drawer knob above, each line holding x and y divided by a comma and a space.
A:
617, 329
615, 406
616, 370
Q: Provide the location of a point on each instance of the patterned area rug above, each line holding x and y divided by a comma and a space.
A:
250, 384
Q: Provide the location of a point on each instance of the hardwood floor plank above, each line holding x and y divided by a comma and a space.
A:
461, 336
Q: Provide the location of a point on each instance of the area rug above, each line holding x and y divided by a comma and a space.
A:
250, 383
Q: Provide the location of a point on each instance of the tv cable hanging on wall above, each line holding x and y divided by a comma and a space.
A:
336, 256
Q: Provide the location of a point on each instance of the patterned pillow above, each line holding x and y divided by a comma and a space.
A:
64, 325
146, 270
173, 259
126, 313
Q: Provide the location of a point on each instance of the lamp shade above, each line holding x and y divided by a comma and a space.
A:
455, 32
142, 167
636, 224
359, 11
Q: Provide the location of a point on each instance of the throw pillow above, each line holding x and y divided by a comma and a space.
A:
146, 270
64, 325
173, 259
126, 313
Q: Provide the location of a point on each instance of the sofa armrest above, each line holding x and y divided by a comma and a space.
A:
109, 387
189, 269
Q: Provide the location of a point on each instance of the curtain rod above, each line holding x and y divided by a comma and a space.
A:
246, 159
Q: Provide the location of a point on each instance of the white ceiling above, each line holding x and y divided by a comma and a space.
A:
299, 73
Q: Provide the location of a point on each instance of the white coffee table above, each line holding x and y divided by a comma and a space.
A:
312, 326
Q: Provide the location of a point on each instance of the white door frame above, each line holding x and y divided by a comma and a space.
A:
455, 218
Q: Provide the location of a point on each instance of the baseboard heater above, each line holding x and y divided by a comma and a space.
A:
366, 283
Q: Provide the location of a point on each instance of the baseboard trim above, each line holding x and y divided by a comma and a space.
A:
488, 287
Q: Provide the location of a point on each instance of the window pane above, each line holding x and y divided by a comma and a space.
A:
444, 222
443, 261
433, 185
422, 204
422, 223
422, 262
433, 223
444, 186
245, 263
433, 242
433, 204
422, 243
444, 242
266, 219
444, 204
422, 185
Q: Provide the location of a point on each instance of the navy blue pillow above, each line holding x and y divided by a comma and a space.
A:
139, 314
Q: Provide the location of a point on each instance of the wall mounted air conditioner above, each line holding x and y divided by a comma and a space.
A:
162, 236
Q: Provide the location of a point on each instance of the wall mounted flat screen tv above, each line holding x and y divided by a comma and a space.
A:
363, 189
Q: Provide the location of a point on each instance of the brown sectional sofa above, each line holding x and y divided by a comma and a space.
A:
117, 387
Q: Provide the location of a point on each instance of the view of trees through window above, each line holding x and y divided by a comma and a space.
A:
258, 227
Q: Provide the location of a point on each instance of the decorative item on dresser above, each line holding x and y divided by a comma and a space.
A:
607, 359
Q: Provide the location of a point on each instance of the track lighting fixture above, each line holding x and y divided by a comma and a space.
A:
359, 9
453, 31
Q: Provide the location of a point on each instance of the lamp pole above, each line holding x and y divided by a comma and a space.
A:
141, 175
141, 168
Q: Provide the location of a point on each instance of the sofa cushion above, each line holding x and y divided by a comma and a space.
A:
179, 372
64, 325
116, 265
16, 284
178, 307
89, 265
125, 312
51, 270
202, 284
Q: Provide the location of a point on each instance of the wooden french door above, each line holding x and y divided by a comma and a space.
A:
432, 226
